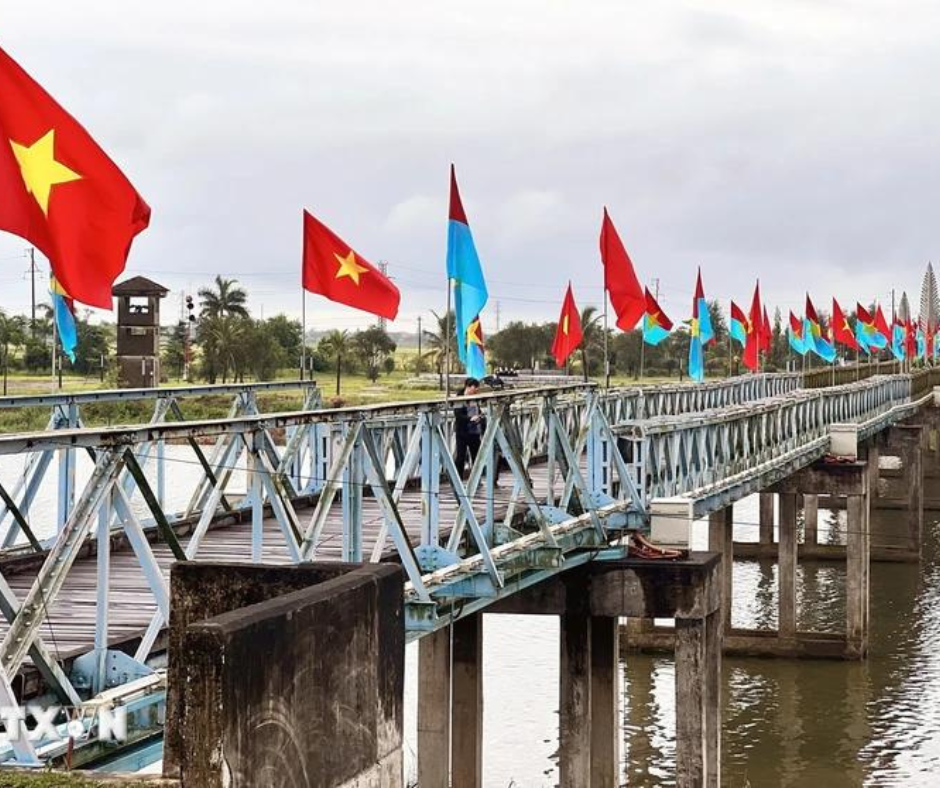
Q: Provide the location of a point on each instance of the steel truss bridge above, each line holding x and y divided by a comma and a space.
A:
580, 467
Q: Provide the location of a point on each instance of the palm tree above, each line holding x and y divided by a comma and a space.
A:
12, 332
592, 335
336, 345
227, 300
221, 339
438, 343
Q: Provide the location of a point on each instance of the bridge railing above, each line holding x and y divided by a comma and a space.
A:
169, 404
684, 456
630, 403
454, 559
828, 376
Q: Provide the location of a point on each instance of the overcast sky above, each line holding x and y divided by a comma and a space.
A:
791, 141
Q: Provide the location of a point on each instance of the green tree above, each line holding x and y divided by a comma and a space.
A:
337, 346
91, 348
438, 343
226, 300
12, 335
174, 351
373, 346
521, 344
220, 339
288, 335
263, 354
592, 341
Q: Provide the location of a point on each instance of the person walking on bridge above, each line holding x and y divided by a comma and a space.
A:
469, 426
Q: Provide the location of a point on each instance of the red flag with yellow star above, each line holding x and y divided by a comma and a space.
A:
332, 269
568, 335
61, 192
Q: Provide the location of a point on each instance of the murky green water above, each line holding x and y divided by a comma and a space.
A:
786, 722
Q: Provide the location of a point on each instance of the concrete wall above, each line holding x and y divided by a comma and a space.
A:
299, 687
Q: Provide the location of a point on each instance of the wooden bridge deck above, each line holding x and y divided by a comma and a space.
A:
70, 625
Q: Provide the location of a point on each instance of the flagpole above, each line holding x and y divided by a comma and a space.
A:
447, 346
303, 331
55, 339
642, 351
730, 355
606, 349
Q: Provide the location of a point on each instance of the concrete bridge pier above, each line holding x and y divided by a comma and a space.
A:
810, 522
767, 508
848, 480
590, 601
907, 443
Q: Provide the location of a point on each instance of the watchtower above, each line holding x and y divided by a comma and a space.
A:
138, 332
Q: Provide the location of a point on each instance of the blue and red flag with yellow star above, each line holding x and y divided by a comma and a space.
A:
331, 268
813, 334
899, 340
464, 272
63, 312
61, 192
702, 332
656, 325
795, 335
738, 326
476, 353
866, 332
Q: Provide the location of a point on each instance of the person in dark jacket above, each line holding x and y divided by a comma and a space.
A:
469, 426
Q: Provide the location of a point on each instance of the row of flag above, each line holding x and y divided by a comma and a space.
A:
63, 194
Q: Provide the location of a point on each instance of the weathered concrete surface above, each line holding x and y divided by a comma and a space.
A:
574, 724
301, 688
632, 587
467, 676
591, 600
434, 711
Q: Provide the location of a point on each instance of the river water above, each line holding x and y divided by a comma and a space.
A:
786, 722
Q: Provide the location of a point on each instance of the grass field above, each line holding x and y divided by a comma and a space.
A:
355, 389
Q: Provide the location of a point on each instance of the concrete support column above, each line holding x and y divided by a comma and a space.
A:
857, 550
786, 566
810, 520
698, 680
766, 518
605, 709
574, 745
714, 635
434, 678
721, 540
468, 702
910, 440
872, 455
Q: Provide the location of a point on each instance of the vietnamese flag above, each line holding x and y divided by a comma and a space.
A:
752, 345
767, 334
568, 334
620, 280
841, 330
61, 192
332, 269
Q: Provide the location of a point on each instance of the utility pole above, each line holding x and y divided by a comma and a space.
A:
420, 365
383, 267
32, 275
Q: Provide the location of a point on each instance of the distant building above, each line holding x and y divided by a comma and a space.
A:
138, 332
929, 302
